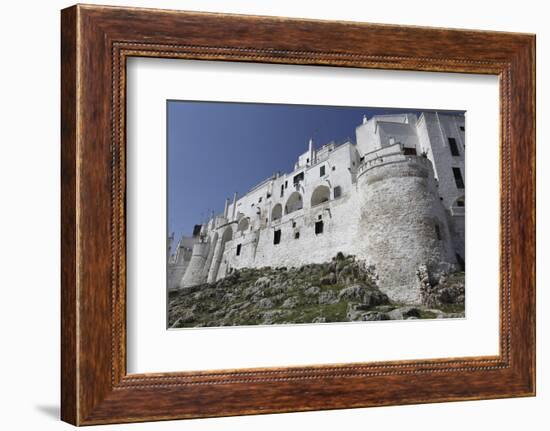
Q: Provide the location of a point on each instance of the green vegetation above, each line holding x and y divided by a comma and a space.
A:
337, 291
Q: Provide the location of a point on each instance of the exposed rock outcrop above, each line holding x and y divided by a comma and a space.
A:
441, 288
343, 289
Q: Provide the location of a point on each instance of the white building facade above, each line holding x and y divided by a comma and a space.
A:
394, 199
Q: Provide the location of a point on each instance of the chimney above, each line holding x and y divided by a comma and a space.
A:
310, 151
234, 206
226, 208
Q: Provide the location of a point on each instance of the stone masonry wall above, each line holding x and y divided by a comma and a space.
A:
195, 269
257, 250
400, 210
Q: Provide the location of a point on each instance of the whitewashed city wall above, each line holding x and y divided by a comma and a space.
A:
390, 200
179, 261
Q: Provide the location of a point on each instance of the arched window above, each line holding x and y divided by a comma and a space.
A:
294, 203
243, 224
277, 212
320, 194
227, 235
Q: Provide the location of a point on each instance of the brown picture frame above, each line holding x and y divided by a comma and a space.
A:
95, 43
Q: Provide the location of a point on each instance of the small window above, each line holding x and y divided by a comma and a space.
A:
286, 184
334, 168
337, 192
462, 128
282, 190
408, 151
259, 199
293, 224
239, 249
307, 160
319, 217
458, 178
319, 227
322, 171
277, 237
296, 235
437, 232
460, 203
453, 147
268, 195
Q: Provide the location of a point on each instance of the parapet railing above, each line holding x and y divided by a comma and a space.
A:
389, 159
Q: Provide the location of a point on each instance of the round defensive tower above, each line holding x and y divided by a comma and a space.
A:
402, 222
194, 274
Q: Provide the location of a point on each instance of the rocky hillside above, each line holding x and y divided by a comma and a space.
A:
338, 291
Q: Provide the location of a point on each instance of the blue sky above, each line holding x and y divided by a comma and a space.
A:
217, 148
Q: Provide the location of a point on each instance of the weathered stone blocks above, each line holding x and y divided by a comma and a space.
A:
402, 223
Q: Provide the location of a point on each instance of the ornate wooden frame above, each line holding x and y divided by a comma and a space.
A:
95, 43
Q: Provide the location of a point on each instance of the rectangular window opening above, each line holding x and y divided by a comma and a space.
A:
277, 237
322, 171
337, 192
239, 249
296, 235
453, 146
319, 227
458, 178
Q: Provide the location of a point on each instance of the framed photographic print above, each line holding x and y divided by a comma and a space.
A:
268, 215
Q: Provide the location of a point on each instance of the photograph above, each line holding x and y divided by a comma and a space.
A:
307, 214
